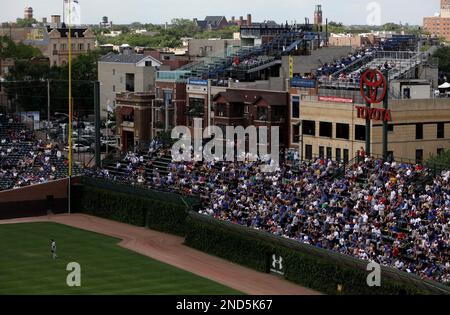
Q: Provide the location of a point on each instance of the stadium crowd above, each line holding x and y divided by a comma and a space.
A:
329, 69
25, 160
395, 214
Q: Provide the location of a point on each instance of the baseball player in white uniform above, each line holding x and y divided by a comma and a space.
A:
53, 249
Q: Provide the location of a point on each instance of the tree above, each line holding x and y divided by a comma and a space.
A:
26, 85
334, 27
391, 27
443, 54
25, 22
440, 160
9, 49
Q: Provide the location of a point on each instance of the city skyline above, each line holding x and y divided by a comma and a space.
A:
284, 10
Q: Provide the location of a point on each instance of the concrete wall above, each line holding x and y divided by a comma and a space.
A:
430, 74
32, 200
417, 91
273, 84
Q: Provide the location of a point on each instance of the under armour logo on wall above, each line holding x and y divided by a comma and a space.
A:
277, 262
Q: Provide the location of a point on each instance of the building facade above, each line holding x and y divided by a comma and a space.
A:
169, 106
57, 50
439, 25
259, 108
125, 73
211, 47
211, 23
335, 127
133, 119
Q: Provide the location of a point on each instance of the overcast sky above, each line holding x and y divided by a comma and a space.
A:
160, 11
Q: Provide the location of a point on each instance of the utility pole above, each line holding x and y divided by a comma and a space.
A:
209, 102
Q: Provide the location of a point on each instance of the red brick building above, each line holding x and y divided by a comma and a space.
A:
244, 107
439, 25
133, 119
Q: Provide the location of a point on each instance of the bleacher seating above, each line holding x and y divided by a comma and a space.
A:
24, 160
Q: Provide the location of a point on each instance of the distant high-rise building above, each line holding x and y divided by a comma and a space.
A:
439, 25
318, 15
28, 13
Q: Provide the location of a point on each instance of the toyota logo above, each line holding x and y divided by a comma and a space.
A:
373, 80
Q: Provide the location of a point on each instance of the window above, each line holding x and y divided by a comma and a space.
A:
114, 88
440, 151
89, 46
419, 131
81, 46
308, 152
360, 133
342, 131
390, 128
114, 71
407, 93
295, 107
329, 153
167, 97
219, 110
390, 155
345, 155
326, 129
54, 46
196, 106
295, 134
419, 156
338, 154
261, 113
129, 82
440, 130
321, 152
309, 127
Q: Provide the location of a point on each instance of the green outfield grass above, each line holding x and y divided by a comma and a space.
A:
26, 266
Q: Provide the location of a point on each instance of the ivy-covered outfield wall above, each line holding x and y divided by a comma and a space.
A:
306, 265
312, 267
160, 211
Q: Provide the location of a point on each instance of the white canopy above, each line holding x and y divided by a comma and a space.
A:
446, 85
